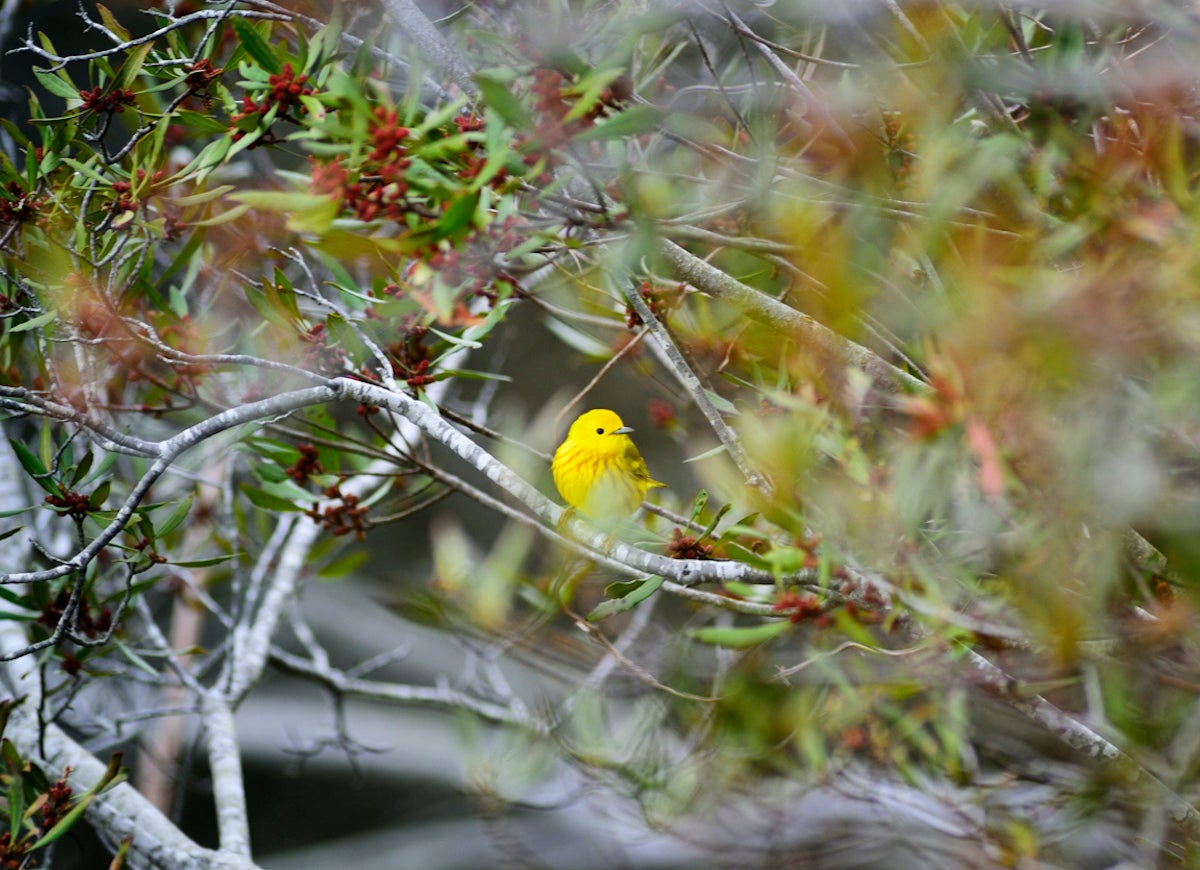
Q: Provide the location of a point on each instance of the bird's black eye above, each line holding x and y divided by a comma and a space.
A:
599, 431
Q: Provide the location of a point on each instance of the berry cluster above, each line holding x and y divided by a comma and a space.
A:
85, 622
286, 89
683, 546
200, 75
411, 358
341, 519
17, 206
319, 355
123, 208
58, 802
75, 505
378, 189
307, 465
96, 100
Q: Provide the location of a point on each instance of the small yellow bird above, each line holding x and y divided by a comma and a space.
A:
598, 469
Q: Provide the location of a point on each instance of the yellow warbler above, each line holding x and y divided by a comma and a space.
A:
598, 469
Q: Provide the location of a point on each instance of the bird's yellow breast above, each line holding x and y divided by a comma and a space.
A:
598, 468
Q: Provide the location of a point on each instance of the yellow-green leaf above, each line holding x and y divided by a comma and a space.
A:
740, 637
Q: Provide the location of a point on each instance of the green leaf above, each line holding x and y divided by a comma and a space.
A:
203, 196
55, 85
472, 375
288, 490
633, 121
226, 217
497, 148
439, 117
33, 466
720, 402
177, 301
64, 824
177, 516
341, 334
99, 495
87, 172
758, 592
100, 470
15, 511
494, 317
499, 97
630, 599
140, 663
35, 322
853, 629
716, 451
46, 444
306, 213
80, 471
269, 502
202, 563
132, 66
255, 45
270, 308
270, 474
458, 216
17, 134
456, 340
589, 89
725, 508
110, 21
284, 454
16, 793
741, 637
196, 122
213, 155
113, 774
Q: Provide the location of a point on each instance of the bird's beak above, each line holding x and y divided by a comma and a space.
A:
624, 430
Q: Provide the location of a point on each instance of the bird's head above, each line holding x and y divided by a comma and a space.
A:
601, 430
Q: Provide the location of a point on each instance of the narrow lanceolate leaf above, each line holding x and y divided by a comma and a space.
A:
628, 601
202, 563
177, 516
267, 501
110, 21
132, 66
631, 122
64, 824
57, 86
499, 97
35, 322
255, 45
33, 466
740, 637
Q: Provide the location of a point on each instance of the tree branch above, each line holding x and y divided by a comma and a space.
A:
830, 350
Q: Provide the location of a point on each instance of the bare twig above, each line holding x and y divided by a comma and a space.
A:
691, 383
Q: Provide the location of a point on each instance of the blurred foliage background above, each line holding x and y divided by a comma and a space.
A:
899, 297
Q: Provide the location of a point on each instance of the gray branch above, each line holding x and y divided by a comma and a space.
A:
830, 350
